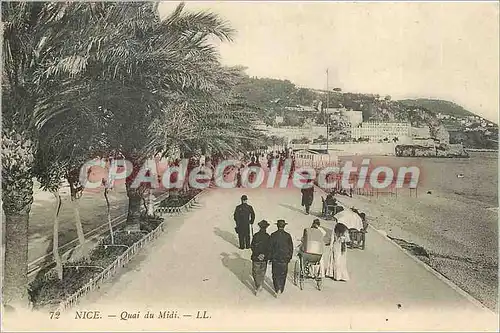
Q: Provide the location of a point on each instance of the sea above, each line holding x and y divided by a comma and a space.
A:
474, 178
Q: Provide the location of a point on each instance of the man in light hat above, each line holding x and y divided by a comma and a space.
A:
281, 252
244, 216
260, 255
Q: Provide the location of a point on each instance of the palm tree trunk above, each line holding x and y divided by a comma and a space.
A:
134, 207
15, 292
150, 208
55, 236
134, 197
17, 197
145, 203
76, 211
108, 207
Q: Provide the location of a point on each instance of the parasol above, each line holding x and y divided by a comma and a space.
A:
350, 219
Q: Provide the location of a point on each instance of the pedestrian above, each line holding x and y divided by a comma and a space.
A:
238, 178
260, 255
337, 264
308, 196
244, 216
281, 252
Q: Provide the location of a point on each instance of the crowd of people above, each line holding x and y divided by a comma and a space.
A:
277, 248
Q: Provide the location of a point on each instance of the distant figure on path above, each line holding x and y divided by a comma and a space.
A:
307, 196
260, 255
244, 216
337, 264
281, 252
238, 178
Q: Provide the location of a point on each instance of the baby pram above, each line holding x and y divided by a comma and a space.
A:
309, 264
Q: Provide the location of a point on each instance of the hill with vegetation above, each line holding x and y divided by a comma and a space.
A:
439, 106
272, 97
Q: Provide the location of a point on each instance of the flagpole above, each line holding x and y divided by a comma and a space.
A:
326, 114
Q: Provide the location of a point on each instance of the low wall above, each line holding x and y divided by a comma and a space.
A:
351, 148
347, 149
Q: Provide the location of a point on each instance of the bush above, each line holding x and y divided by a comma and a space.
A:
150, 223
180, 199
48, 291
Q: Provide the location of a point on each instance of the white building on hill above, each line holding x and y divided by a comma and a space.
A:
376, 131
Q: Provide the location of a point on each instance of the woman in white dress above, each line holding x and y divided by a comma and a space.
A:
337, 263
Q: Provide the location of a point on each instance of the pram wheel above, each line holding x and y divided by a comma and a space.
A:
301, 273
298, 277
296, 273
319, 283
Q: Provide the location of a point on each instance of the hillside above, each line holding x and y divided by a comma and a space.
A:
272, 96
438, 106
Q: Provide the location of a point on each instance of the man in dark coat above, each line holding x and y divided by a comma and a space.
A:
260, 255
244, 216
307, 197
238, 178
280, 254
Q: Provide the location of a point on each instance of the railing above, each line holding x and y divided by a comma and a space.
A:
98, 232
180, 209
124, 258
110, 271
187, 205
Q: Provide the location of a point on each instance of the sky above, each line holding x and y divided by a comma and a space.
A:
405, 50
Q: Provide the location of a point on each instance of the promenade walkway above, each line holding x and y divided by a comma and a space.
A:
196, 266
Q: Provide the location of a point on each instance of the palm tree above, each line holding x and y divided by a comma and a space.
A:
221, 124
38, 40
62, 59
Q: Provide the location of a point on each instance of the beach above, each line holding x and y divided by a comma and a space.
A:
454, 220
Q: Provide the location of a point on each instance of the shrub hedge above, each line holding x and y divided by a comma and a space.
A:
179, 199
47, 291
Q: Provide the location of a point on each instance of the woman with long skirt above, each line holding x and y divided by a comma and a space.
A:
337, 263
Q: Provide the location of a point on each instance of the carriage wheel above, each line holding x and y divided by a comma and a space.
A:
301, 274
296, 273
319, 283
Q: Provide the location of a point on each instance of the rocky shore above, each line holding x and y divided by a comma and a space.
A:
447, 151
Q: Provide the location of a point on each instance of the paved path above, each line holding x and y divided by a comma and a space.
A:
196, 265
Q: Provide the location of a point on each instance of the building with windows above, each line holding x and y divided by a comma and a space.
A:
378, 131
311, 158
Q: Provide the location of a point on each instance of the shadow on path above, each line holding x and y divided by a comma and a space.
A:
240, 267
227, 236
298, 210
268, 285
